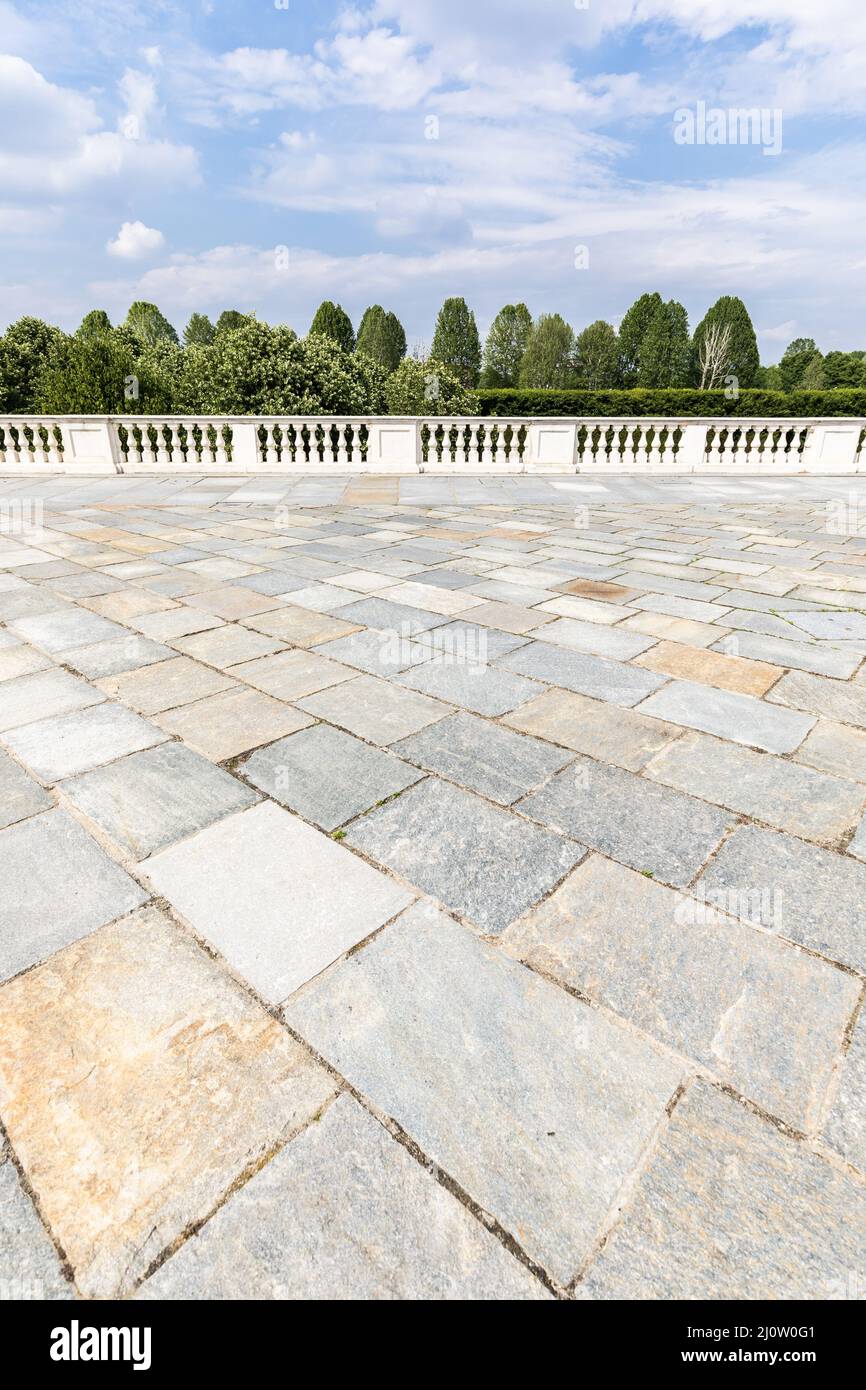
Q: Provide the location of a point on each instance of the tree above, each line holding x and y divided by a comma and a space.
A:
713, 355
427, 388
25, 349
199, 330
456, 343
97, 321
813, 378
743, 359
505, 346
665, 352
845, 369
148, 324
548, 362
632, 332
382, 337
332, 321
597, 356
229, 320
98, 374
796, 358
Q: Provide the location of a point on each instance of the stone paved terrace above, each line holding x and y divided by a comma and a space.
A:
432, 888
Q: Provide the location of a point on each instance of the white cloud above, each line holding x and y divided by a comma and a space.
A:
134, 241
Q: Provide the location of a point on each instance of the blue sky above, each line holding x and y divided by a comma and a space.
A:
264, 156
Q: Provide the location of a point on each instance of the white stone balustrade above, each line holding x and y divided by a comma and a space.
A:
426, 444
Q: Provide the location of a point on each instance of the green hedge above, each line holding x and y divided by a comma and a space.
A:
671, 402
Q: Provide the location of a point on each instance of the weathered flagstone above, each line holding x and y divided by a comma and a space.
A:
595, 676
741, 718
328, 776
845, 1128
176, 622
614, 735
127, 653
20, 796
672, 607
300, 627
509, 617
478, 861
73, 743
388, 616
225, 725
17, 659
374, 709
153, 689
377, 653
279, 899
469, 640
784, 794
135, 1052
230, 602
813, 896
662, 833
710, 668
227, 645
537, 1105
595, 638
834, 626
835, 748
25, 699
857, 846
30, 1264
291, 674
484, 757
58, 885
472, 685
833, 699
765, 1017
801, 656
731, 1208
343, 1212
151, 799
66, 630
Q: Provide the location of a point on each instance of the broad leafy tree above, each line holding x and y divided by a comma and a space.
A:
25, 349
199, 330
148, 323
597, 356
548, 362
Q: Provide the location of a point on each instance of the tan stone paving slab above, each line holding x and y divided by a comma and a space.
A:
496, 1074
175, 622
289, 675
763, 1016
590, 610
279, 899
301, 627
509, 617
676, 629
599, 589
343, 1212
225, 725
787, 796
709, 668
375, 709
137, 1083
166, 685
604, 731
835, 748
22, 660
126, 604
731, 1208
231, 602
227, 645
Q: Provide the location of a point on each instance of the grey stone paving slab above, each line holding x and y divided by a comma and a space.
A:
845, 1129
328, 776
66, 630
607, 732
470, 640
835, 748
17, 659
830, 625
343, 1212
811, 895
376, 710
478, 861
382, 614
766, 1018
537, 1105
802, 656
472, 685
58, 886
118, 654
28, 698
833, 699
595, 638
731, 1208
20, 796
674, 607
785, 795
151, 799
279, 899
29, 602
648, 827
377, 653
595, 676
30, 1265
857, 847
73, 743
484, 757
741, 718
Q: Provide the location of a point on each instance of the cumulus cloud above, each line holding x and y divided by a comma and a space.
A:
134, 241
